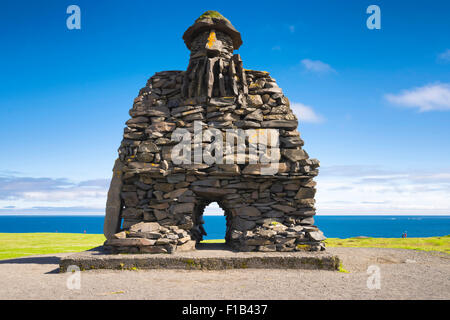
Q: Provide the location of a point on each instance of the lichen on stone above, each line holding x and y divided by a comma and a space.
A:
211, 14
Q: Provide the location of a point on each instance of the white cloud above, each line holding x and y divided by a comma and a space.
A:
427, 98
305, 113
349, 189
316, 66
39, 195
374, 190
444, 56
213, 209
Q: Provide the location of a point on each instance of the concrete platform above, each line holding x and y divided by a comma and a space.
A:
206, 257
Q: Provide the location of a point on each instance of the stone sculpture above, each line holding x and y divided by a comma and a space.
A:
156, 200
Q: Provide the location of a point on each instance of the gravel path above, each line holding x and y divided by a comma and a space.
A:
404, 274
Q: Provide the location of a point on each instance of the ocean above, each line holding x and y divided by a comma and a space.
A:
332, 226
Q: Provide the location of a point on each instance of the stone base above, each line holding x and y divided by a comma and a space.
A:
206, 257
151, 237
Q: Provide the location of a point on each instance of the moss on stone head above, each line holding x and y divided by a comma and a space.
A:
211, 14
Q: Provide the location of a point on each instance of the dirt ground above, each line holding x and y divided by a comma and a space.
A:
402, 274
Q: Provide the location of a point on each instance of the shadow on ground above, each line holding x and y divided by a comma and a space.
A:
47, 260
213, 246
100, 250
32, 260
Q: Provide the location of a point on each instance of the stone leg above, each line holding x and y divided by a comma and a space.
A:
114, 202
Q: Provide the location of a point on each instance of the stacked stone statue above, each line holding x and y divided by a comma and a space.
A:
157, 197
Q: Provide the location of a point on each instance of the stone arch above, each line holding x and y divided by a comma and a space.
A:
199, 222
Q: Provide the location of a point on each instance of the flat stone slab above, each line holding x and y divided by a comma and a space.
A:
206, 257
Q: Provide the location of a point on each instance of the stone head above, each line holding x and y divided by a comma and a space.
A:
212, 35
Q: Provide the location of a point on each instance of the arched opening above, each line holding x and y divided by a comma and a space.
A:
211, 221
215, 222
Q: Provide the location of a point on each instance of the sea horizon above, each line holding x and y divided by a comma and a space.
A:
333, 226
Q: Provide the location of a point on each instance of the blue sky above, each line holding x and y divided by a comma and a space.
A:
374, 105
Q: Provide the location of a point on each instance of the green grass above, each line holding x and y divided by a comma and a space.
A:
14, 245
441, 244
341, 268
213, 241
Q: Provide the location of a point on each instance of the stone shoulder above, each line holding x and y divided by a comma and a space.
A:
164, 82
260, 82
159, 90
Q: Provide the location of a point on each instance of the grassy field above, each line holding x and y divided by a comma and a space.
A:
441, 244
14, 245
